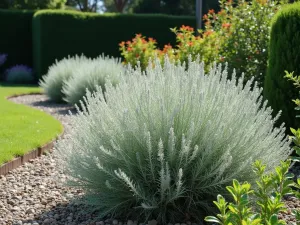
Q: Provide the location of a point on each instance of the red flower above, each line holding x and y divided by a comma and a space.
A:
226, 25
186, 28
137, 55
129, 49
208, 32
182, 27
190, 43
211, 11
166, 48
152, 40
122, 43
180, 35
205, 17
221, 12
128, 42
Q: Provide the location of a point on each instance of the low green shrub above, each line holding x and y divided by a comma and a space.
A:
163, 143
271, 188
58, 73
284, 55
296, 133
89, 75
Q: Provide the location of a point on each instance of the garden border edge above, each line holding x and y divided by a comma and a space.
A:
35, 153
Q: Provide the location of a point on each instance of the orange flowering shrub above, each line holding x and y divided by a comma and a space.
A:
238, 34
202, 45
138, 49
244, 27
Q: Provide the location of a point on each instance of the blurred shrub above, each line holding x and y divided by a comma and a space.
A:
89, 75
58, 73
163, 143
19, 74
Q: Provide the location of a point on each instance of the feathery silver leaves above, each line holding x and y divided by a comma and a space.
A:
168, 141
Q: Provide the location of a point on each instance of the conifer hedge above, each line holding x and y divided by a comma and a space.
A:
16, 36
284, 54
57, 34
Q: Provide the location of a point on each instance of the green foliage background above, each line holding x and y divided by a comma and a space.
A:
16, 36
284, 55
57, 34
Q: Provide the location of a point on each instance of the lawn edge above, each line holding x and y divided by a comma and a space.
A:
35, 153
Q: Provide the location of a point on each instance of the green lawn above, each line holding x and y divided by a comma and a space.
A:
23, 128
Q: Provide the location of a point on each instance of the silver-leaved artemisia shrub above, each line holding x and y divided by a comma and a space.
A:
162, 144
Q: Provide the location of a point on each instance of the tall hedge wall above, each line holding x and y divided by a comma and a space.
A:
284, 54
16, 36
57, 34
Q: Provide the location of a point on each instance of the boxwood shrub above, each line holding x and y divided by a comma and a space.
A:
284, 55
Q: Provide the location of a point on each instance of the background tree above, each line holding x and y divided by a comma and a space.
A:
119, 5
32, 4
84, 5
101, 5
173, 7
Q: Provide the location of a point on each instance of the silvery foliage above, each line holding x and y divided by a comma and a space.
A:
58, 73
89, 75
163, 144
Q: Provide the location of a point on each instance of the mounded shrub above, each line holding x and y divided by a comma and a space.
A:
19, 74
89, 75
93, 34
284, 55
52, 83
164, 145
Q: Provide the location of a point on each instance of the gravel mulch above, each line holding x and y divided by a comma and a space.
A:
33, 194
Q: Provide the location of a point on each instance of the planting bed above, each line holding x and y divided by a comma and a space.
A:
34, 193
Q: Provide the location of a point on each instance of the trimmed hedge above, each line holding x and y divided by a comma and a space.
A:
284, 55
16, 36
57, 34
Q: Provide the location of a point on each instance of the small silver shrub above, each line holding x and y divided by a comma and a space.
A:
58, 73
90, 75
163, 144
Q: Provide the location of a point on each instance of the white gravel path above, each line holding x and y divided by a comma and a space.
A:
34, 194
